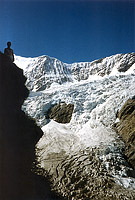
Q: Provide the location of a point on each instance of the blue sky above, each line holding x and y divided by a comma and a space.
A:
70, 30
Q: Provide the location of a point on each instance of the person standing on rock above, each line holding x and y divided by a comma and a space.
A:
9, 52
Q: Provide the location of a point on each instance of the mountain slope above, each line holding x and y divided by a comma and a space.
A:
96, 99
43, 71
97, 90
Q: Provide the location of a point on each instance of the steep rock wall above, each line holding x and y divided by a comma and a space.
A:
18, 137
126, 128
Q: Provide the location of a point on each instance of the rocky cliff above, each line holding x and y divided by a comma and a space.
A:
126, 128
18, 136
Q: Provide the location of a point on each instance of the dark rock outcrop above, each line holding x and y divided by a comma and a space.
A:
126, 128
61, 113
18, 136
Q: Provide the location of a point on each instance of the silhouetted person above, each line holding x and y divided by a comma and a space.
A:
9, 52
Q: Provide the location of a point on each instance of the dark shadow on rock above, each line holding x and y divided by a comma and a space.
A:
126, 129
18, 137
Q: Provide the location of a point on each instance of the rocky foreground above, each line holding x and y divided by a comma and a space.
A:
86, 176
94, 173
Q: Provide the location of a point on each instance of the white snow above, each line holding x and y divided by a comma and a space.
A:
126, 182
24, 63
56, 136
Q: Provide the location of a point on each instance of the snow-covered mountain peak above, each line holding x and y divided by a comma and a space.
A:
44, 70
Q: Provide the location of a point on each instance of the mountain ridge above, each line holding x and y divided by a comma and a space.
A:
42, 71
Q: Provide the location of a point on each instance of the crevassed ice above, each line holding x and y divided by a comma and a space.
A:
96, 99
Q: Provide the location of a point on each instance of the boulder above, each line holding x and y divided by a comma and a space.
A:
61, 113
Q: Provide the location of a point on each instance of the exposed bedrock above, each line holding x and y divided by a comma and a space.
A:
126, 128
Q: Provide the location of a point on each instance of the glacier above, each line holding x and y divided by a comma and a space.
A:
98, 89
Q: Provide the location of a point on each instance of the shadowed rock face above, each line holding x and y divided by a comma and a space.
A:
61, 113
126, 129
12, 89
18, 137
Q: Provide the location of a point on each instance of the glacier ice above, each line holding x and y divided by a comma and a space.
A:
97, 89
